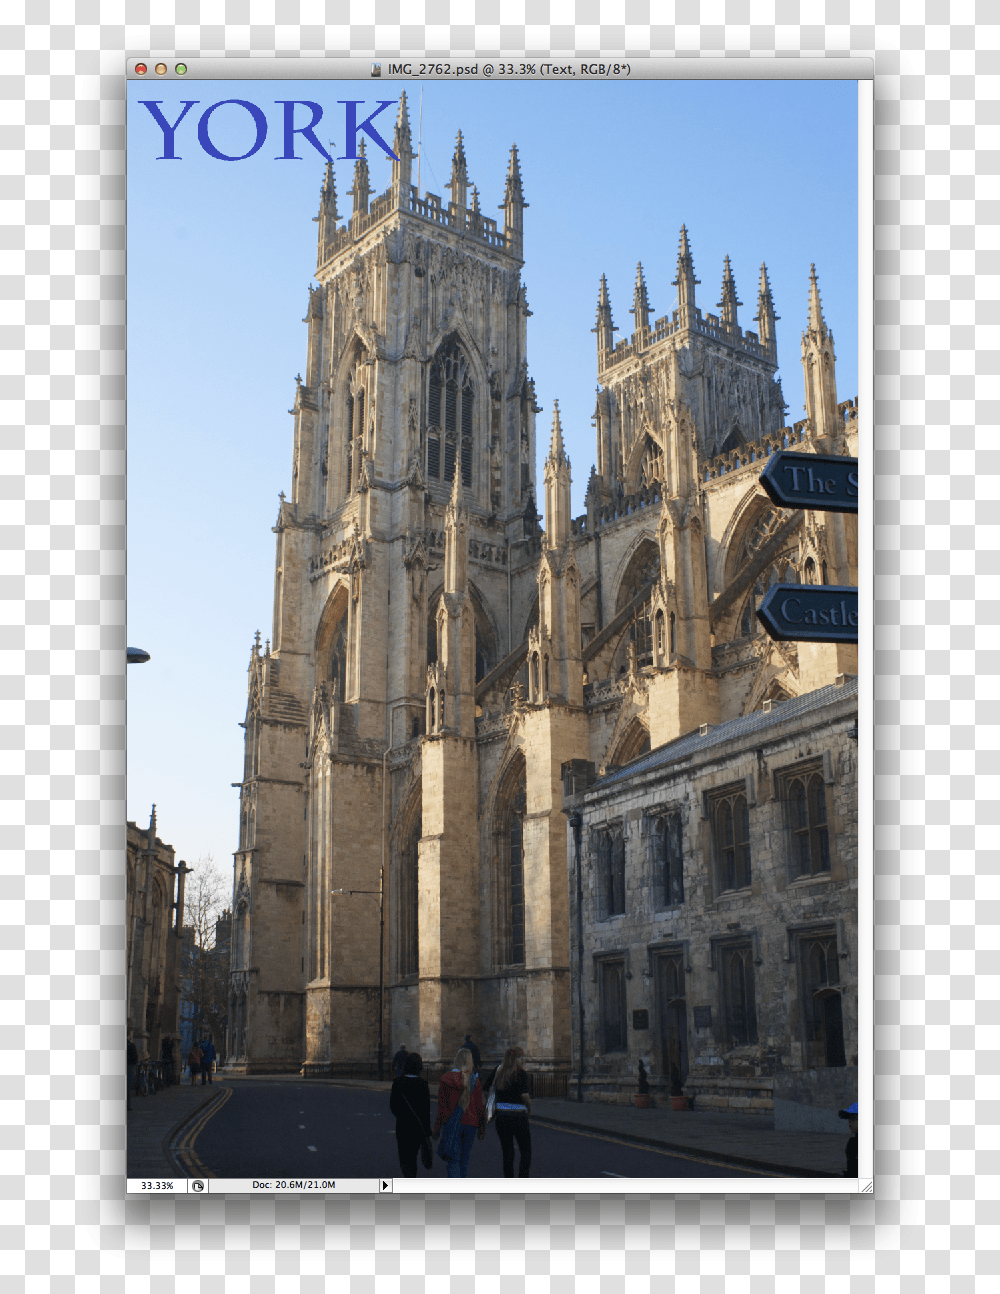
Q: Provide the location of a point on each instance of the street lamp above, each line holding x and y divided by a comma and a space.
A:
381, 938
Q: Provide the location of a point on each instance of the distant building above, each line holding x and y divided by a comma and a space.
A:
153, 937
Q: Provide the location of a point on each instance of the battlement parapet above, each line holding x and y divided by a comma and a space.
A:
626, 505
757, 450
464, 220
705, 325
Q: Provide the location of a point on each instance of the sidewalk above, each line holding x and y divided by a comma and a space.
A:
152, 1121
745, 1141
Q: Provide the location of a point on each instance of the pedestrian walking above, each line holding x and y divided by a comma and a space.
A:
851, 1148
410, 1102
513, 1105
194, 1060
399, 1060
460, 1114
477, 1060
207, 1060
131, 1067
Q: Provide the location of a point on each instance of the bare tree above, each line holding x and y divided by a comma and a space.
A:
207, 928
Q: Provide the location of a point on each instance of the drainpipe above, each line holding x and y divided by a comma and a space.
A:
576, 821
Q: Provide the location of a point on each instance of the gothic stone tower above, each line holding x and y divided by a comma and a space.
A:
403, 575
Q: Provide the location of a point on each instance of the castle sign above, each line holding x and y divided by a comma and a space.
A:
821, 482
811, 613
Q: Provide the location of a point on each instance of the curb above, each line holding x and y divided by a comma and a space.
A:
737, 1161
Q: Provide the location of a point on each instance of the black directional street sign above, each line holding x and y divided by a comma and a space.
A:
822, 482
811, 613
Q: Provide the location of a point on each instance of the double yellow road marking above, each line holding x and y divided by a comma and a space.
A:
183, 1145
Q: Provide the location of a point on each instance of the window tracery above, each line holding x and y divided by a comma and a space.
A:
451, 401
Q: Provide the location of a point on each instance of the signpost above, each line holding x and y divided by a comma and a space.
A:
811, 613
821, 482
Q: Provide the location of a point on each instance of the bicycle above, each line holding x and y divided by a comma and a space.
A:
142, 1082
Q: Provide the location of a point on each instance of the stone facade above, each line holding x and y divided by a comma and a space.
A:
153, 937
436, 658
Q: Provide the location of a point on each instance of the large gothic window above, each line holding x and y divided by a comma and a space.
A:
779, 571
450, 414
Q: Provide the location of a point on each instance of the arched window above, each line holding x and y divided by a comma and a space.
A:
450, 421
810, 571
669, 860
807, 821
821, 999
732, 841
354, 423
739, 998
612, 875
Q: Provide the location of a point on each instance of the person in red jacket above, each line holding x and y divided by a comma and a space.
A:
460, 1114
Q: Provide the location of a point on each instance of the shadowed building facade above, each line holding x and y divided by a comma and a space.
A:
436, 657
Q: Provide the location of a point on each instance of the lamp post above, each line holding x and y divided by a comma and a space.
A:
381, 937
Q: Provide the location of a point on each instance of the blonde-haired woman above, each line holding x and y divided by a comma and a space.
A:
512, 1110
460, 1114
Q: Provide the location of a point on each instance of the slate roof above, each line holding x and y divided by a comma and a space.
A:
744, 726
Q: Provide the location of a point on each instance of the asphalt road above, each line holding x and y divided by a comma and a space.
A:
299, 1129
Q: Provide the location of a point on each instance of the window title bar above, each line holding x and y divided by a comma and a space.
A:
172, 67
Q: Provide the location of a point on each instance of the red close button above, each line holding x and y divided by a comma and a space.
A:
140, 68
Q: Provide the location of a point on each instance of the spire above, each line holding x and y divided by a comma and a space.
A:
362, 187
459, 182
513, 207
328, 215
816, 322
557, 453
819, 369
605, 325
557, 487
402, 146
475, 200
456, 554
765, 317
685, 281
641, 306
728, 303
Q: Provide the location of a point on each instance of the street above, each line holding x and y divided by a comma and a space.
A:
273, 1128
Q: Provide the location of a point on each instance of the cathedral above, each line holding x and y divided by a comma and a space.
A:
451, 692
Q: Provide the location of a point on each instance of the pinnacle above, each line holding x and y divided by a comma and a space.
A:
456, 489
815, 305
557, 453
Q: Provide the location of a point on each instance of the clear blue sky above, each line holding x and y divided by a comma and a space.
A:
220, 258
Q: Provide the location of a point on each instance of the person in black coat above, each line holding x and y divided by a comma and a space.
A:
477, 1060
410, 1102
